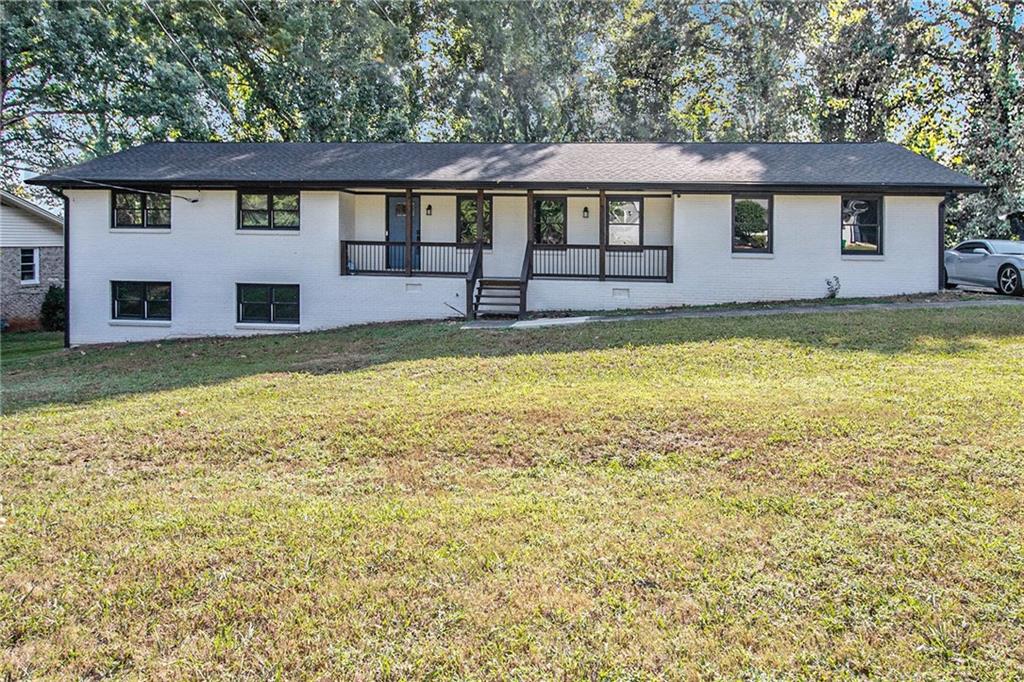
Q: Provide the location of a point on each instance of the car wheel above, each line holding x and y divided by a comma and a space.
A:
946, 284
1008, 281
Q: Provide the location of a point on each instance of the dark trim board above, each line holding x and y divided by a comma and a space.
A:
619, 187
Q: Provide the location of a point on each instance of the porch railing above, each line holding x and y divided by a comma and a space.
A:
545, 261
440, 259
583, 261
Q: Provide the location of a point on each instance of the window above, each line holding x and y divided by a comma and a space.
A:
969, 247
862, 225
30, 266
625, 221
136, 210
141, 300
549, 220
268, 303
752, 224
268, 211
465, 220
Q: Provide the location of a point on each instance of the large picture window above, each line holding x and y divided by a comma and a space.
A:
861, 229
549, 220
268, 211
465, 220
272, 303
625, 221
141, 300
139, 210
752, 224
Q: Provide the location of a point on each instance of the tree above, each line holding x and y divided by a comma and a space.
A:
82, 79
866, 60
985, 62
512, 72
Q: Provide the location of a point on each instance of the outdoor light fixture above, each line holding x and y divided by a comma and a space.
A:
586, 211
430, 210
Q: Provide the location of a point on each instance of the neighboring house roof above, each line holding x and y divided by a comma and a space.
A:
14, 201
682, 166
23, 224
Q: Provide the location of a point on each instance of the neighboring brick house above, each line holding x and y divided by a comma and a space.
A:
31, 259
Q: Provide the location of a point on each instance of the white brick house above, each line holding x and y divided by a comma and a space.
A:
188, 239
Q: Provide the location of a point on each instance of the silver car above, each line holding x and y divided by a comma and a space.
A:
986, 262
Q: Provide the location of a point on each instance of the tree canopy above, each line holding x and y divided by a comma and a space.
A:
944, 77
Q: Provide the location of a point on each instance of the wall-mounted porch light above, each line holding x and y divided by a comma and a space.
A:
586, 211
430, 210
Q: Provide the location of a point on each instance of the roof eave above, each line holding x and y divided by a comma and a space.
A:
678, 188
37, 211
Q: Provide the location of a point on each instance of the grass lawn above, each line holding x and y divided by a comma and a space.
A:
805, 496
19, 345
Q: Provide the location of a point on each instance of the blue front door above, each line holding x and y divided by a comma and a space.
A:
396, 232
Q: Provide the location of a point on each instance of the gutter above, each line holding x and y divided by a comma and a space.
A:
676, 188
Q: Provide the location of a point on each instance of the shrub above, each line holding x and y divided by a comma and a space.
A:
53, 314
832, 285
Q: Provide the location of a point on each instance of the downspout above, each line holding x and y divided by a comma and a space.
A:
942, 240
67, 266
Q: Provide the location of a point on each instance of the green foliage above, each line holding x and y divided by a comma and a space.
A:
751, 224
54, 311
943, 77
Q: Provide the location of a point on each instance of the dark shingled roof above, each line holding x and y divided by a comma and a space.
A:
680, 166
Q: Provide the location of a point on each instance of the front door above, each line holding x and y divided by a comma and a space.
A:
396, 232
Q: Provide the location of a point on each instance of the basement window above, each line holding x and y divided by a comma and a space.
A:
268, 211
140, 211
141, 300
271, 303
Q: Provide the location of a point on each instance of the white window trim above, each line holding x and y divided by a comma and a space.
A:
124, 322
35, 267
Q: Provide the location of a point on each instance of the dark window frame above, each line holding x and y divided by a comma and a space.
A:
271, 317
880, 226
115, 313
770, 248
271, 225
145, 208
35, 278
459, 198
608, 223
564, 201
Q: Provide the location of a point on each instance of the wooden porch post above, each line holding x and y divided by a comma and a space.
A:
530, 227
603, 235
480, 216
408, 232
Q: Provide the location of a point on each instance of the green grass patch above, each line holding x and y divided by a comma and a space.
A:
17, 346
813, 496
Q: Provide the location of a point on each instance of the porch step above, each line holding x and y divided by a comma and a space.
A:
497, 296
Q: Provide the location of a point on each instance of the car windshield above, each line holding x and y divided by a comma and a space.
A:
1008, 247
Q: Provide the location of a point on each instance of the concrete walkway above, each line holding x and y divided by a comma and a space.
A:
781, 309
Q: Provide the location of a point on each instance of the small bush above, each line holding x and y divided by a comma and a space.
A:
53, 316
832, 287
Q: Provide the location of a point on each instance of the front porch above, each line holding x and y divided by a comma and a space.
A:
499, 241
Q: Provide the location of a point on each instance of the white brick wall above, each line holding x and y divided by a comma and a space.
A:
204, 256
